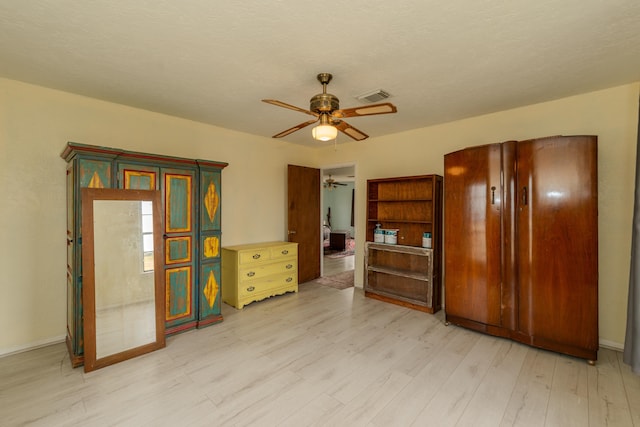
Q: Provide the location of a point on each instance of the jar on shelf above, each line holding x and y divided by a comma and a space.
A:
391, 236
426, 240
378, 234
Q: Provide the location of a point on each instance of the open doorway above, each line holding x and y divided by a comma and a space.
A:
338, 220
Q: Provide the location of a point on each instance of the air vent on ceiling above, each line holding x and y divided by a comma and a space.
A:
373, 96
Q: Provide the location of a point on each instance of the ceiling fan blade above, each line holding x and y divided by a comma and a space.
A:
289, 106
367, 110
349, 130
295, 128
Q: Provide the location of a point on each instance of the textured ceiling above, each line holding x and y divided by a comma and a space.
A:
213, 61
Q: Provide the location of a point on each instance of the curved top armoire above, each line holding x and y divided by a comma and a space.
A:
521, 242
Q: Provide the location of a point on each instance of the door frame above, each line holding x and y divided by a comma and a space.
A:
323, 171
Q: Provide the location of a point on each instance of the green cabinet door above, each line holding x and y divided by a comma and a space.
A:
209, 285
179, 234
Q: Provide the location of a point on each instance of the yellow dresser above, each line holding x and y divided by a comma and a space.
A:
257, 271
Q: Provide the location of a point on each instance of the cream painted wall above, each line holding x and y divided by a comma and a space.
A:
35, 125
611, 114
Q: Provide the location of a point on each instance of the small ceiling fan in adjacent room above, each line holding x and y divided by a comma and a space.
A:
331, 183
325, 108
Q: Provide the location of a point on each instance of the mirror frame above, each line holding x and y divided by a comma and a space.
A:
88, 196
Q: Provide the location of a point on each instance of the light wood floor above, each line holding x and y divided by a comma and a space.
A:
323, 357
331, 266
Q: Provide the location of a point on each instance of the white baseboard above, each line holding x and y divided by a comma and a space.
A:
612, 345
31, 346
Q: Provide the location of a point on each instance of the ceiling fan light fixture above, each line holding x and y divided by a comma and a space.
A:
326, 108
324, 132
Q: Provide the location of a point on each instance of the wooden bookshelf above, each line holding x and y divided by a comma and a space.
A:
405, 273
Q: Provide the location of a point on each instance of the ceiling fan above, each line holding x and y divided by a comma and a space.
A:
331, 183
325, 108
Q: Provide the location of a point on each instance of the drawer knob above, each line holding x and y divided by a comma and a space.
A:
256, 256
251, 273
284, 252
251, 288
289, 266
289, 279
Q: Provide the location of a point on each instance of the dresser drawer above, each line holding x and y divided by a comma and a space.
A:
254, 256
257, 272
283, 252
274, 282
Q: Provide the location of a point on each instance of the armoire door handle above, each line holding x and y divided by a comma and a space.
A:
493, 195
524, 196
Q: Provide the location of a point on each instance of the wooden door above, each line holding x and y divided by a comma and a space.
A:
472, 235
304, 219
557, 221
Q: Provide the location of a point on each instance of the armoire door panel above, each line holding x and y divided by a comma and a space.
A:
509, 238
177, 195
210, 245
557, 228
138, 177
210, 282
72, 326
181, 274
71, 223
178, 286
90, 173
473, 234
210, 200
210, 293
95, 173
177, 250
177, 190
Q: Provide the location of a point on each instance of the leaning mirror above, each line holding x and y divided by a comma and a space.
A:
122, 293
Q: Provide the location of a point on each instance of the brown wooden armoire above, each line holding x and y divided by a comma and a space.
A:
521, 242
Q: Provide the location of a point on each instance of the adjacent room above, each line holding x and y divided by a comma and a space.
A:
338, 224
292, 214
